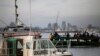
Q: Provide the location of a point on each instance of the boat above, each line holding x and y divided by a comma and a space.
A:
27, 43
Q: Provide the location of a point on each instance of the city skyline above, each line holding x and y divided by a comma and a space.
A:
76, 12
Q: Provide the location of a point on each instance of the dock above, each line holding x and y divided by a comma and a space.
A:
78, 41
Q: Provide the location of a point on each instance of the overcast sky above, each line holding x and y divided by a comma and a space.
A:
78, 12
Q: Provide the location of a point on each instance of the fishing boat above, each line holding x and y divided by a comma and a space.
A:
27, 43
16, 44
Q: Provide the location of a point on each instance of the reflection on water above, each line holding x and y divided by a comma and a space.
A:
81, 51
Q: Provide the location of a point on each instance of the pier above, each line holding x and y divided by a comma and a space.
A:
83, 39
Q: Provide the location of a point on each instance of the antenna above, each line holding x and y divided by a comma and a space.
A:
30, 16
30, 24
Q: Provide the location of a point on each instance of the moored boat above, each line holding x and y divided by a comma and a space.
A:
28, 45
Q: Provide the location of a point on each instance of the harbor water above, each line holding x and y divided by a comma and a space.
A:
81, 51
86, 51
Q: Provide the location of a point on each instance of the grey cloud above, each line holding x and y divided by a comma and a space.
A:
70, 10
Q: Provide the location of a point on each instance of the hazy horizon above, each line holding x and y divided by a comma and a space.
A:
77, 12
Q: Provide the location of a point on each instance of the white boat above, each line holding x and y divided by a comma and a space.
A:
22, 45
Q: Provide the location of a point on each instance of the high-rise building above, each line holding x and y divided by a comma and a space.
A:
55, 26
49, 26
63, 26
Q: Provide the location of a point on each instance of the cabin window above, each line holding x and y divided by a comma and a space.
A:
19, 45
37, 45
44, 44
41, 46
50, 44
34, 47
28, 44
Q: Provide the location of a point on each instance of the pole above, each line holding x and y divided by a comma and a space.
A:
16, 14
30, 16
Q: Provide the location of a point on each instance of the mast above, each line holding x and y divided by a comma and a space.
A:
16, 14
18, 23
